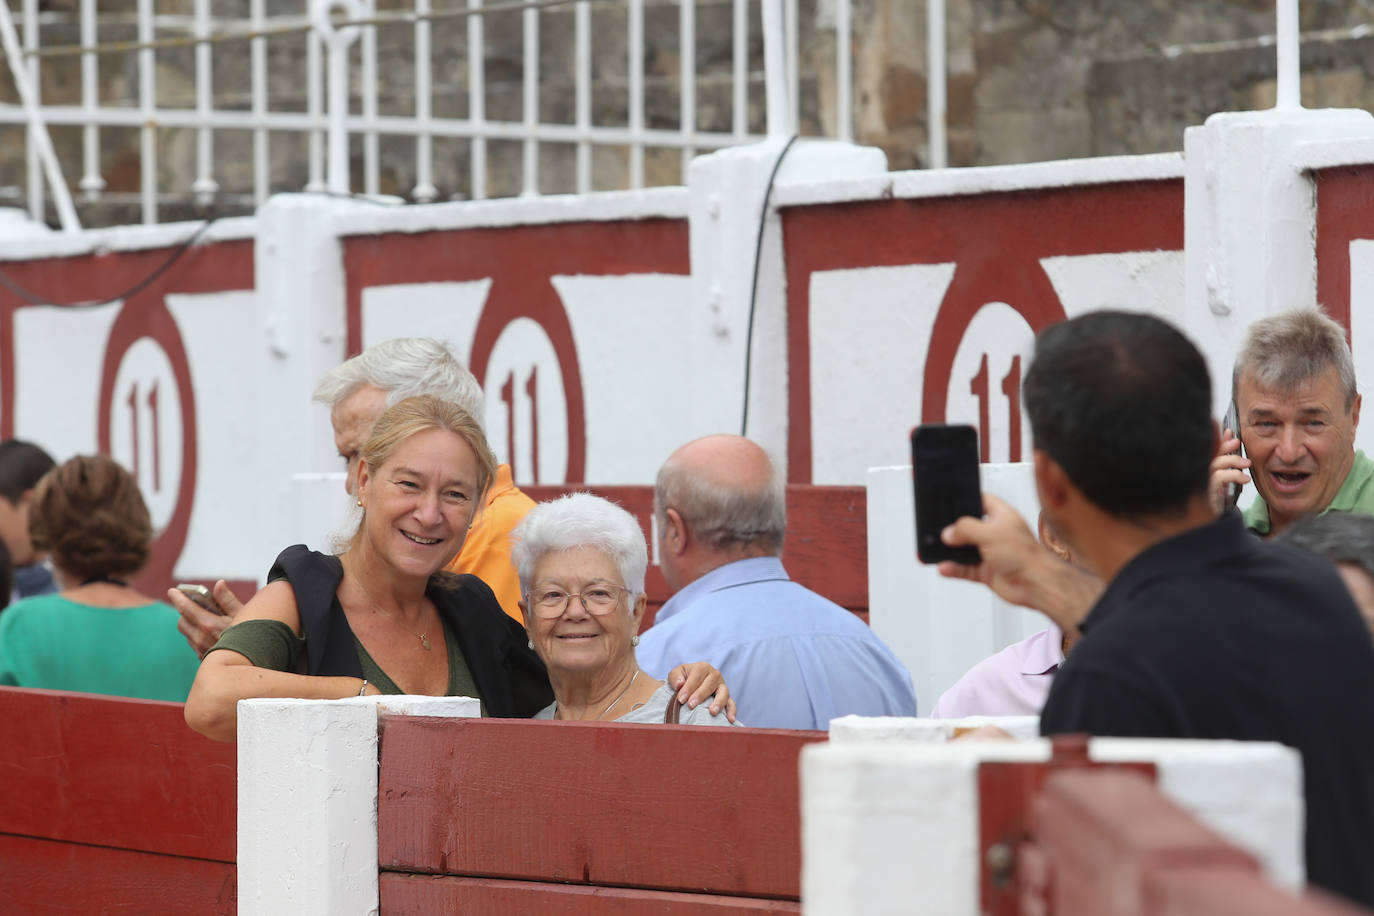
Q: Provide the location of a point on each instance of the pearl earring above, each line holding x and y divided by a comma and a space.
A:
634, 640
360, 504
530, 643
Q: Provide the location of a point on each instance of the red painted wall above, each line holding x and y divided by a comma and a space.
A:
997, 242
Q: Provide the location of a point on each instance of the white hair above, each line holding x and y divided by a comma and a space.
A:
581, 520
405, 367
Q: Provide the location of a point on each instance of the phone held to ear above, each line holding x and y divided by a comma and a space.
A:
1232, 422
201, 595
944, 465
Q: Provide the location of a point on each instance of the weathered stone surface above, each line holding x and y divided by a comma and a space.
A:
1026, 80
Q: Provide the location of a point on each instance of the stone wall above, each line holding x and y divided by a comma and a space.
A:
1028, 80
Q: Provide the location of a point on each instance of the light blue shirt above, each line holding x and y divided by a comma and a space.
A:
791, 658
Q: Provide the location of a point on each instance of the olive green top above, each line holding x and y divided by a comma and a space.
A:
272, 644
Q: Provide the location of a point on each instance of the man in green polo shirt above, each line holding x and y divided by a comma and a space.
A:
1297, 410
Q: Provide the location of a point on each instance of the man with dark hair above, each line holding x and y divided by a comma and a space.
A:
21, 466
792, 658
1347, 540
1202, 631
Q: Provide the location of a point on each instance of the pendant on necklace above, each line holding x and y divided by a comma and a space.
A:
424, 641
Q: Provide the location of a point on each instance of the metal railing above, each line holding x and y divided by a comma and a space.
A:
341, 107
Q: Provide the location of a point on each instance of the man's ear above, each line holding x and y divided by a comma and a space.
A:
675, 533
1355, 413
1051, 481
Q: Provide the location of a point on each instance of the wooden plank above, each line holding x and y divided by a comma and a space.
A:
114, 772
422, 895
826, 548
709, 810
43, 876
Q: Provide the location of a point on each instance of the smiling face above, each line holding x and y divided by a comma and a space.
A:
1301, 443
419, 503
353, 419
577, 640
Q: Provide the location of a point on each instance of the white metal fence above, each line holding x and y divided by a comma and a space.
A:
334, 47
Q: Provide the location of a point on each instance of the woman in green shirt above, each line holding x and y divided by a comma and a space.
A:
97, 634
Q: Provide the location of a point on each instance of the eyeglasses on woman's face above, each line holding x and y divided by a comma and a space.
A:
550, 602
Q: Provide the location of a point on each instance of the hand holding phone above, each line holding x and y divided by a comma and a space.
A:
201, 596
944, 465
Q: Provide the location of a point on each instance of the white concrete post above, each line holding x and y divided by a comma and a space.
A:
307, 801
1249, 223
337, 42
891, 825
938, 627
727, 190
298, 269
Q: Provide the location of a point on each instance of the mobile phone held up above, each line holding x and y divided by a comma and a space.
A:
201, 595
944, 465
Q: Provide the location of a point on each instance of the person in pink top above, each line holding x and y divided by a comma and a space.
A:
1016, 680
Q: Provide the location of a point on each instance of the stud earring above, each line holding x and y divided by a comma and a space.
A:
360, 504
530, 643
634, 640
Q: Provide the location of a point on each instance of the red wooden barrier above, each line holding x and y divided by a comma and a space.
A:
826, 548
1107, 843
109, 803
588, 817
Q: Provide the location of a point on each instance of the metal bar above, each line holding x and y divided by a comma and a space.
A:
844, 73
775, 69
299, 29
477, 100
368, 83
336, 174
147, 99
40, 144
687, 79
91, 183
75, 115
262, 166
739, 80
205, 186
791, 24
314, 107
424, 190
33, 163
938, 157
530, 149
582, 80
636, 71
1289, 41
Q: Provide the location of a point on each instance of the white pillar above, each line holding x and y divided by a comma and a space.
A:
727, 191
891, 825
1249, 223
307, 801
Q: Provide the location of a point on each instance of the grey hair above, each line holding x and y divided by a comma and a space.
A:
1284, 351
724, 517
405, 367
1341, 537
581, 520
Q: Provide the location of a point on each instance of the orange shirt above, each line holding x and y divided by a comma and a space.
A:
486, 552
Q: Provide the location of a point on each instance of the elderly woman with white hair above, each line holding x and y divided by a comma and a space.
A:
581, 561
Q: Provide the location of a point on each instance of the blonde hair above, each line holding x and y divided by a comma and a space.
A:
422, 414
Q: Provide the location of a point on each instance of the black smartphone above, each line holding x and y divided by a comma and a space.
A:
944, 465
1232, 422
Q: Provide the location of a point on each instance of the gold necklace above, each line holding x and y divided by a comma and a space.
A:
423, 637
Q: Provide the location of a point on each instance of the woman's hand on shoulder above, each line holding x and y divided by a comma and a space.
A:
698, 682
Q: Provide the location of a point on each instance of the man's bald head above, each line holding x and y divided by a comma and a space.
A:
729, 493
